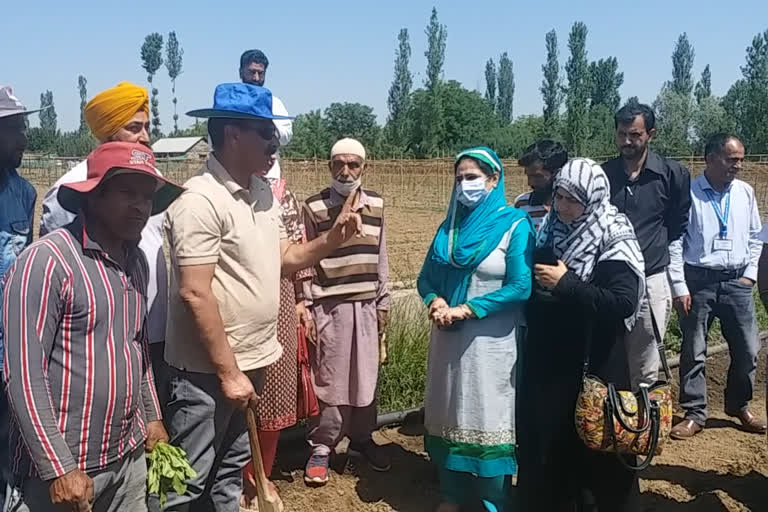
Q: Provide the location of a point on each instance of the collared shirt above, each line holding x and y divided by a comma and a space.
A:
216, 221
17, 210
656, 202
77, 359
697, 247
536, 211
55, 217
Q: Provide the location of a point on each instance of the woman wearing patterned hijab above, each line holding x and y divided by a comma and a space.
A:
475, 281
589, 286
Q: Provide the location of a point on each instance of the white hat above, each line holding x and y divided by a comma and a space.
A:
348, 146
10, 104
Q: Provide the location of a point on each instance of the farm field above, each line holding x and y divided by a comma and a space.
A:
416, 194
721, 469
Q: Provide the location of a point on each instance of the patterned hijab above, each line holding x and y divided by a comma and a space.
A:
600, 234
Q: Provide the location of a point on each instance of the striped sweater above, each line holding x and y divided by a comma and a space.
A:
351, 272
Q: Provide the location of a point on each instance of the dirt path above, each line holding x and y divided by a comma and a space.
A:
721, 469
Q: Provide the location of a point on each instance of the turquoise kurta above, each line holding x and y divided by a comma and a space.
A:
470, 396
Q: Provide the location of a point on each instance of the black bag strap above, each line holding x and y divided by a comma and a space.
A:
654, 422
659, 342
616, 405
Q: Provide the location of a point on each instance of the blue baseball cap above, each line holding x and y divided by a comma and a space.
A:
239, 101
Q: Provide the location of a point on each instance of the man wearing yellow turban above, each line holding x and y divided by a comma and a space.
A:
122, 114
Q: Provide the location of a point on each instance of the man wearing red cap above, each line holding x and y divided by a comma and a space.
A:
79, 378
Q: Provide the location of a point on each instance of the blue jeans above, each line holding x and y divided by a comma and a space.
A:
215, 436
732, 302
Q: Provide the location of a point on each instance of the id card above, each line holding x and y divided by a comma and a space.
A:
722, 244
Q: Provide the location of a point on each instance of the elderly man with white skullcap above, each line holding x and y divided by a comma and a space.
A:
350, 302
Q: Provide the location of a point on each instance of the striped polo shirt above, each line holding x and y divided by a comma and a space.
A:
76, 355
537, 212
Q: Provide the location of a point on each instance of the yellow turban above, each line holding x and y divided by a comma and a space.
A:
110, 110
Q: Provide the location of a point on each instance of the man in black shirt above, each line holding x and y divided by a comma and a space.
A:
654, 193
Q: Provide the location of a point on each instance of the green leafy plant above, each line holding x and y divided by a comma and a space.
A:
168, 470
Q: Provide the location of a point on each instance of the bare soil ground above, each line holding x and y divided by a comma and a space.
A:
721, 469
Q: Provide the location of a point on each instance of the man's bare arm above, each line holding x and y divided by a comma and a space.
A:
296, 257
196, 293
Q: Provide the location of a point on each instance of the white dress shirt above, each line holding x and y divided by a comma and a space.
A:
701, 245
151, 244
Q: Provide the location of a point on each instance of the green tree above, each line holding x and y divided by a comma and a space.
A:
709, 118
682, 65
174, 56
152, 59
736, 107
606, 79
673, 121
47, 113
704, 86
75, 144
82, 84
510, 141
468, 120
437, 35
506, 81
352, 120
551, 86
633, 100
432, 117
311, 138
199, 129
400, 92
490, 82
577, 102
754, 121
601, 140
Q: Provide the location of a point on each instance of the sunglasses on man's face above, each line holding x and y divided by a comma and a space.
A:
265, 129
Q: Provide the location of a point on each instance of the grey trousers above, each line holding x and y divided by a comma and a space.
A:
215, 436
642, 352
733, 303
120, 487
335, 422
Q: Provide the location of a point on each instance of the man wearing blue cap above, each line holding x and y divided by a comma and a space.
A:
228, 250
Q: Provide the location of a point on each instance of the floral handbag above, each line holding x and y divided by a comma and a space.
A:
609, 420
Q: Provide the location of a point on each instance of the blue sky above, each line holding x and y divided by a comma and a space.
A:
322, 52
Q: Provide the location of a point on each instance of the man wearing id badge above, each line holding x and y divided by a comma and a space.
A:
715, 269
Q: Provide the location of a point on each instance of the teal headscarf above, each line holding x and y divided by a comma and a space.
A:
467, 236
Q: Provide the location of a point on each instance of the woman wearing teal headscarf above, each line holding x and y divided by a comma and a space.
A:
475, 282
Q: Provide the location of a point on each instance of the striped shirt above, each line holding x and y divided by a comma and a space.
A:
76, 356
537, 212
352, 270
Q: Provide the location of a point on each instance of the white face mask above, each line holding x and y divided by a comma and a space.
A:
471, 193
345, 188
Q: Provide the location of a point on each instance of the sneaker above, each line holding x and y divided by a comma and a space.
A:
376, 455
316, 471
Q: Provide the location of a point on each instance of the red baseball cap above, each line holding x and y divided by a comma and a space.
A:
111, 159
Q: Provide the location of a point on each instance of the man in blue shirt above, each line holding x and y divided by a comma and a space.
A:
713, 273
17, 210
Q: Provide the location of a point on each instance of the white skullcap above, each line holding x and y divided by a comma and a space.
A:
348, 146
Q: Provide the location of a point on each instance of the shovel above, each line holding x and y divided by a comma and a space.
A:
266, 501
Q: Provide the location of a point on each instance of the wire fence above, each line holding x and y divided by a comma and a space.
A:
416, 192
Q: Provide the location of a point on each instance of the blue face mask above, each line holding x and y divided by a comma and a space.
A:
471, 193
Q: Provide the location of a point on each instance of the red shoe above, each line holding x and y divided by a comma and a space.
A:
316, 470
